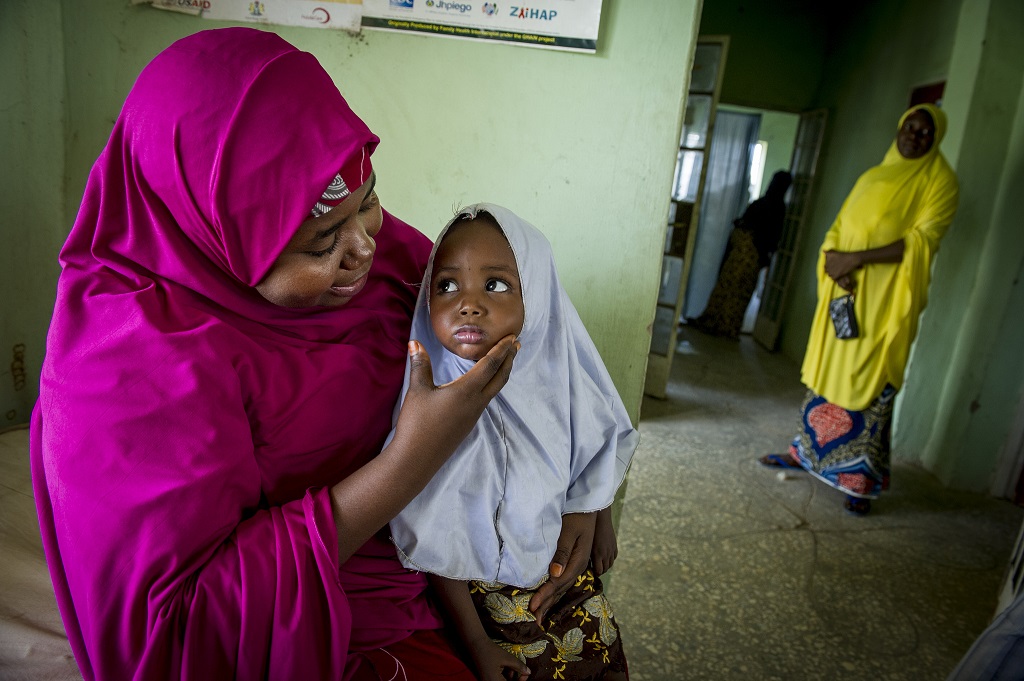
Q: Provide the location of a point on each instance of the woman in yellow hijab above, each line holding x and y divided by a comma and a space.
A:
880, 249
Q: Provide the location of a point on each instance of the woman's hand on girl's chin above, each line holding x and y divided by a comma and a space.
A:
569, 562
438, 418
432, 423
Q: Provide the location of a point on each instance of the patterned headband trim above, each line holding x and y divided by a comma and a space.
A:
357, 170
334, 194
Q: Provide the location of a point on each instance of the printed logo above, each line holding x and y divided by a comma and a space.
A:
489, 8
319, 15
256, 9
400, 4
446, 6
532, 13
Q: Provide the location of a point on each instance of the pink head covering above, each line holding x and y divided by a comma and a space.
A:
225, 142
187, 429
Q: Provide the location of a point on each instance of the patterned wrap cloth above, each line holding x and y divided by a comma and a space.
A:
579, 641
736, 283
846, 449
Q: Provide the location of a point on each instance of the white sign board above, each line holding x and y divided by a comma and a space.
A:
554, 24
338, 14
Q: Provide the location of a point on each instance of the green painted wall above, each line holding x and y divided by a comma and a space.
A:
581, 145
32, 222
963, 393
776, 50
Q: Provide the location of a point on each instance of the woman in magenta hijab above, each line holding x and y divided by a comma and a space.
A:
227, 346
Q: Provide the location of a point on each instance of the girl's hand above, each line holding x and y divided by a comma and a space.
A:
494, 663
839, 265
569, 562
606, 548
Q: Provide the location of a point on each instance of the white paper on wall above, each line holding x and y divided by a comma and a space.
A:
553, 24
336, 14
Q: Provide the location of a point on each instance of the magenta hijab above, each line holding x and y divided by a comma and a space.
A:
187, 430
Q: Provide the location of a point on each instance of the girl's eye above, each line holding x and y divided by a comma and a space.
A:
446, 286
498, 286
327, 251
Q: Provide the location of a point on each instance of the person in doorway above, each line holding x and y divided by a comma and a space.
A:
880, 249
227, 346
753, 240
555, 440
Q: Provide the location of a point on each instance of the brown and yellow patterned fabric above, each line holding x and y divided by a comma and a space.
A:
736, 283
580, 639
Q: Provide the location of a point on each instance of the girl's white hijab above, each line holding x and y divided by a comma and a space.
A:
556, 440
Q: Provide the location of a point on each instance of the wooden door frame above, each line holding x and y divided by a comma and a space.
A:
769, 324
659, 366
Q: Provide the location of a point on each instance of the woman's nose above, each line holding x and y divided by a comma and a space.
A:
359, 249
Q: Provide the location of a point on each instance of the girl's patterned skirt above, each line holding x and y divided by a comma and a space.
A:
580, 639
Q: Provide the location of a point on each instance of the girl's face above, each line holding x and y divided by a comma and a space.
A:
476, 298
327, 261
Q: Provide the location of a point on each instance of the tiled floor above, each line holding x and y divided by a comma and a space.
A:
727, 572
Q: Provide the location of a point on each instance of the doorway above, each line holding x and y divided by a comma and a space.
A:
749, 147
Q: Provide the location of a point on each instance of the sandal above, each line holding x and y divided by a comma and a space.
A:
857, 506
780, 461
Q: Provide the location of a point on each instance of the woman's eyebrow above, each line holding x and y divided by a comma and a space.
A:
325, 233
334, 228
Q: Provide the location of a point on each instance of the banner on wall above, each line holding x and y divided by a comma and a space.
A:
553, 24
336, 14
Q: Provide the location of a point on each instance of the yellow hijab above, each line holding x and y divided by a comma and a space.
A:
910, 199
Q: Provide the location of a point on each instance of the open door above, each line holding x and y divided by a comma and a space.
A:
809, 134
687, 187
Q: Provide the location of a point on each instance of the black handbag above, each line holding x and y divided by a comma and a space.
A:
843, 317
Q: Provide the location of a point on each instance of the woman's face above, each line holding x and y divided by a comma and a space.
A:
916, 136
475, 298
327, 261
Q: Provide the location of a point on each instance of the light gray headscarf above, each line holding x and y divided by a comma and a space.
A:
556, 440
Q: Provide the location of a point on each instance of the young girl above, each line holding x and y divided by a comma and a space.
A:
556, 440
